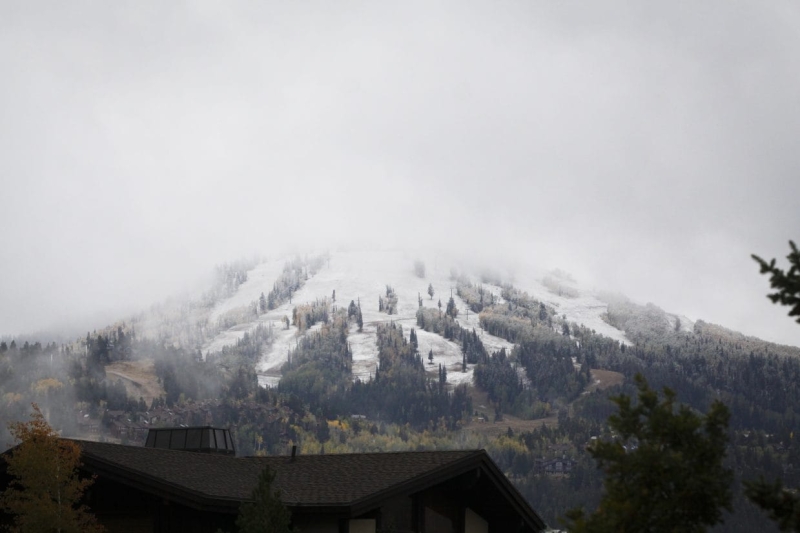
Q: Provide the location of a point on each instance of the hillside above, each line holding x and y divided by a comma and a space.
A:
348, 351
363, 277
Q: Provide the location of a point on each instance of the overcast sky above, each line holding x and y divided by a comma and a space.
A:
646, 147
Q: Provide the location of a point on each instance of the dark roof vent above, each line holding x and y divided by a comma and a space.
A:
204, 439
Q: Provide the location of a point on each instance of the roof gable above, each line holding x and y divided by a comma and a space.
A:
328, 480
349, 482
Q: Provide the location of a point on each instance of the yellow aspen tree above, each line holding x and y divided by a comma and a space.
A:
45, 494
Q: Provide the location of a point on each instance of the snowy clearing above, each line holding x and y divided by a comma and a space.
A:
355, 276
362, 276
585, 309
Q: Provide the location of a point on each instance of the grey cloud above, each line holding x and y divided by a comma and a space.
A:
646, 147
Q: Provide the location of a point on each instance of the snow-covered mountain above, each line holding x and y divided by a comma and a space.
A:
362, 277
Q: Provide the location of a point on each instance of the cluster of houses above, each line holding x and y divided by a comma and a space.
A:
559, 463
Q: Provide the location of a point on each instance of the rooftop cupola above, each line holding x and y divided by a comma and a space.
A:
205, 439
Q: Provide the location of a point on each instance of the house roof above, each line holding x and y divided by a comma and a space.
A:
348, 483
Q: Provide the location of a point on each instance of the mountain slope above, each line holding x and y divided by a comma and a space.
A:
363, 277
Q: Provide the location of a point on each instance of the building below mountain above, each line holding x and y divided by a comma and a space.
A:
144, 489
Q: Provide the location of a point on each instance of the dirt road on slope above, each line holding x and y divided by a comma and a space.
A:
139, 378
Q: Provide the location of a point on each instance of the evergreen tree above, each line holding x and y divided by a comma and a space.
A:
431, 292
664, 472
323, 430
266, 512
452, 310
413, 340
782, 504
419, 269
262, 303
786, 284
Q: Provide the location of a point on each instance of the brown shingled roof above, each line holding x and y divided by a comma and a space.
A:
335, 481
349, 478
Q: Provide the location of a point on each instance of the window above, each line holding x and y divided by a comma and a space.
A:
178, 439
162, 439
193, 439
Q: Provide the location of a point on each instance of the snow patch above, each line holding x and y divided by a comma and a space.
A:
364, 275
584, 309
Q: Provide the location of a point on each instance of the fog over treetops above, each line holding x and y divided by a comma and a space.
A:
644, 149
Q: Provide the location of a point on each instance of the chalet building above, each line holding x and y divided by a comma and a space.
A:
126, 429
87, 425
554, 466
158, 489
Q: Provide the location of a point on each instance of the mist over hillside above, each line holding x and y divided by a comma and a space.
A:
644, 157
374, 350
